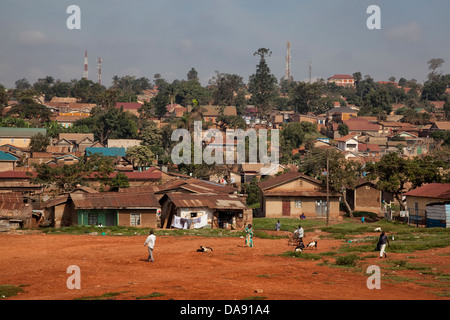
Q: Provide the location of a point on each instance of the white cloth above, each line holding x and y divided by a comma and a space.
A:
176, 222
203, 221
150, 241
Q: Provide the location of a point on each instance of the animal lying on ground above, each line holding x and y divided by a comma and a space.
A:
300, 247
377, 229
204, 249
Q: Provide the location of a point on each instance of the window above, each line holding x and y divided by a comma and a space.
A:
298, 203
93, 219
135, 219
193, 214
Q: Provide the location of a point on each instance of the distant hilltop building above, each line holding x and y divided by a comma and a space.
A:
342, 80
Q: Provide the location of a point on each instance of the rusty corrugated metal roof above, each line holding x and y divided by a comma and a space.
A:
114, 200
213, 201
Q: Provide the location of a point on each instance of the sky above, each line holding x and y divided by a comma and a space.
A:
144, 37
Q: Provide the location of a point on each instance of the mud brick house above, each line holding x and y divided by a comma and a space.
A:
18, 181
418, 199
15, 212
294, 193
365, 197
187, 211
19, 137
106, 208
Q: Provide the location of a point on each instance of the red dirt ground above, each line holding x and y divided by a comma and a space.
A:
232, 271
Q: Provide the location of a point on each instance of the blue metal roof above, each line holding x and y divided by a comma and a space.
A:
108, 152
7, 157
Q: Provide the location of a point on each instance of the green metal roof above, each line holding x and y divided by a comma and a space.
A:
12, 132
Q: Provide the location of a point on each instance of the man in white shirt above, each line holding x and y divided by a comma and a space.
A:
299, 233
150, 241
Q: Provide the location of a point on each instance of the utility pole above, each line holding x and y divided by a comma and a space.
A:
328, 191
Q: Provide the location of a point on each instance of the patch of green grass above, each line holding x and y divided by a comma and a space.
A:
104, 296
287, 224
302, 255
443, 294
7, 290
350, 260
152, 295
406, 265
255, 298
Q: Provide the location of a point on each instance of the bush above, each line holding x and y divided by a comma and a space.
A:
348, 260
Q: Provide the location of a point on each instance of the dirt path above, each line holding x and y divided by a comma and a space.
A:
232, 271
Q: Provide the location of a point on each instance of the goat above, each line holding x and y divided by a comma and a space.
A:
312, 244
377, 229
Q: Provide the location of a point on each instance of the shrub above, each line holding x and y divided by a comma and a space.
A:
348, 260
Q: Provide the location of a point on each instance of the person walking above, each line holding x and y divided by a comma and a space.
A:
278, 226
383, 241
249, 236
150, 242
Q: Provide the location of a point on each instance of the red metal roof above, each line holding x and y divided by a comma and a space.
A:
16, 174
432, 190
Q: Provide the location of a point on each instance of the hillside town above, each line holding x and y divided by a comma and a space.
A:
79, 153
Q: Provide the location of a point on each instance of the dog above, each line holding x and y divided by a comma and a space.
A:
204, 249
312, 244
377, 229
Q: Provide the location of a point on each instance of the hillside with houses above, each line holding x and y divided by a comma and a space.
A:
78, 153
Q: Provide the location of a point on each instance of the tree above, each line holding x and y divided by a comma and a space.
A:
141, 156
252, 191
433, 65
22, 84
305, 97
39, 143
263, 85
3, 99
343, 130
28, 108
119, 181
66, 178
224, 88
192, 75
110, 123
86, 91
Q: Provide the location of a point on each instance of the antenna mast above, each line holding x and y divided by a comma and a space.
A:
85, 73
310, 71
287, 72
99, 68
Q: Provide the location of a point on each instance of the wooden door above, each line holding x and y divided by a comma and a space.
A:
286, 208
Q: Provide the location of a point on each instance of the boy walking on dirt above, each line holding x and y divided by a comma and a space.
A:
383, 241
150, 241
